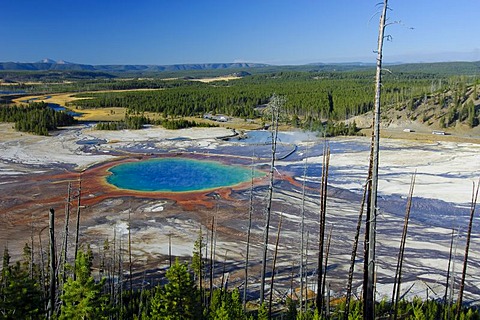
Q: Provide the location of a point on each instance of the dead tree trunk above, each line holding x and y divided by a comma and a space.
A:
321, 236
114, 268
302, 229
53, 282
446, 302
324, 281
169, 250
247, 255
64, 251
77, 227
398, 272
353, 256
370, 289
43, 276
275, 104
130, 253
306, 273
273, 267
211, 259
467, 247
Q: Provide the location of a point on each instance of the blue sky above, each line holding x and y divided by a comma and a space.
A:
265, 31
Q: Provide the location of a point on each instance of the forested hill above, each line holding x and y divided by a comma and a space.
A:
49, 65
443, 68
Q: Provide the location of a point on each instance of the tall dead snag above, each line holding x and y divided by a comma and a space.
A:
273, 267
43, 276
224, 282
306, 272
302, 230
197, 263
369, 309
120, 273
327, 304
247, 255
321, 236
211, 259
170, 259
446, 301
77, 227
64, 251
398, 272
114, 268
130, 265
275, 104
367, 226
353, 256
53, 282
467, 247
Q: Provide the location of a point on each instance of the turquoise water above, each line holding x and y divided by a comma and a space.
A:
177, 175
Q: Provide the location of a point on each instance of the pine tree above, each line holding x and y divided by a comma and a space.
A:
20, 294
82, 298
262, 312
179, 298
226, 305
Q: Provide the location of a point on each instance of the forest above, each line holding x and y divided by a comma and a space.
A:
138, 122
319, 98
315, 101
37, 118
310, 96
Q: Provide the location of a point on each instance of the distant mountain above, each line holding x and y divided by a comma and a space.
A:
49, 64
46, 60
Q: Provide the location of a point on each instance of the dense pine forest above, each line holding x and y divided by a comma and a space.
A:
37, 118
312, 96
316, 99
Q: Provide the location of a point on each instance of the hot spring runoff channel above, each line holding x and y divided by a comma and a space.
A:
178, 175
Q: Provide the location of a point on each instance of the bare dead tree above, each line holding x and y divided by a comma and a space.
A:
142, 289
205, 300
120, 274
467, 247
367, 228
52, 278
322, 220
369, 311
302, 227
445, 297
247, 254
324, 281
291, 280
214, 247
77, 227
130, 251
276, 103
200, 265
274, 265
223, 288
43, 276
353, 255
398, 272
211, 258
170, 250
306, 273
64, 250
114, 266
32, 256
